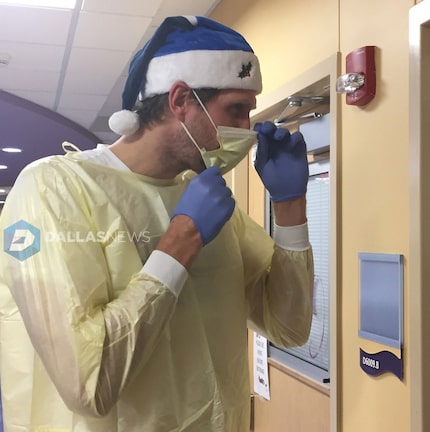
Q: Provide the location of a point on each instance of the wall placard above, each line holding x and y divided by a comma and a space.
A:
381, 298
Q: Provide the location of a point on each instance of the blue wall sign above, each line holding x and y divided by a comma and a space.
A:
383, 361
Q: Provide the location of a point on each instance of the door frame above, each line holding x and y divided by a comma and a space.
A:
419, 210
330, 67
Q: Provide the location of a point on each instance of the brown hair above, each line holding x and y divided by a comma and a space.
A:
152, 110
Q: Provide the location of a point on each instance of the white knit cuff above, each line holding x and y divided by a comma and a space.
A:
167, 270
293, 237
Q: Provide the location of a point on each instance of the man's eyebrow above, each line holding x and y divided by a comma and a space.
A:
246, 104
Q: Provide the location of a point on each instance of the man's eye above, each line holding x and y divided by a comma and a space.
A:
239, 111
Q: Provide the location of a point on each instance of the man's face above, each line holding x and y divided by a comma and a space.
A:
227, 108
232, 108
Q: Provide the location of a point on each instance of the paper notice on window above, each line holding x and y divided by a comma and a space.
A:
261, 371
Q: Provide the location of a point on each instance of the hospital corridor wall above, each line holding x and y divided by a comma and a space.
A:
373, 196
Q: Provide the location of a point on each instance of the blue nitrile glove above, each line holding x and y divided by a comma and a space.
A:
281, 162
208, 202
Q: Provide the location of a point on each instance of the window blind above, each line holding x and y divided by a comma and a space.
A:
316, 350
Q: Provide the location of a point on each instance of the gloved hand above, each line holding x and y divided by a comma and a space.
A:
208, 202
281, 162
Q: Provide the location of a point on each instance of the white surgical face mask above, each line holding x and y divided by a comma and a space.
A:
234, 144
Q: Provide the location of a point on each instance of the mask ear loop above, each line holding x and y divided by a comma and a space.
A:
205, 110
192, 138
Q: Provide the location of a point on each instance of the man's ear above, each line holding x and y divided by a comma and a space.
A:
179, 99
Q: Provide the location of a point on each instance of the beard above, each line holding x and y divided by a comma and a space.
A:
183, 155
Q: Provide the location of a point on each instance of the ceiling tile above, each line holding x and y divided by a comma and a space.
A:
113, 101
91, 84
45, 99
186, 7
124, 7
33, 56
94, 71
81, 101
34, 25
116, 32
87, 61
107, 137
15, 79
82, 117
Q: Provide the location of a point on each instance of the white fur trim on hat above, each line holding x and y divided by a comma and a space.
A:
204, 68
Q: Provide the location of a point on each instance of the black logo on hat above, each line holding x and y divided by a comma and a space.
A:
246, 71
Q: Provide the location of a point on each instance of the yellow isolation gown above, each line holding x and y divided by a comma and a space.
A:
91, 341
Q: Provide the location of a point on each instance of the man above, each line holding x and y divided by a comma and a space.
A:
132, 316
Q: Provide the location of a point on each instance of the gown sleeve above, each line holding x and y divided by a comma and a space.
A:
90, 339
278, 285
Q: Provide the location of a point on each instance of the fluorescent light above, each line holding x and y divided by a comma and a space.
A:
3, 167
60, 4
11, 150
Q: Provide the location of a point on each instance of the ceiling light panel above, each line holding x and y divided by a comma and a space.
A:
11, 150
58, 4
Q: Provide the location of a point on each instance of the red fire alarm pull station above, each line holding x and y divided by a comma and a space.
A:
362, 61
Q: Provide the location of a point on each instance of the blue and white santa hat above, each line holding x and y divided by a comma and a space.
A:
197, 50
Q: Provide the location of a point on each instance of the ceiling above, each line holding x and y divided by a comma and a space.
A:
74, 62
